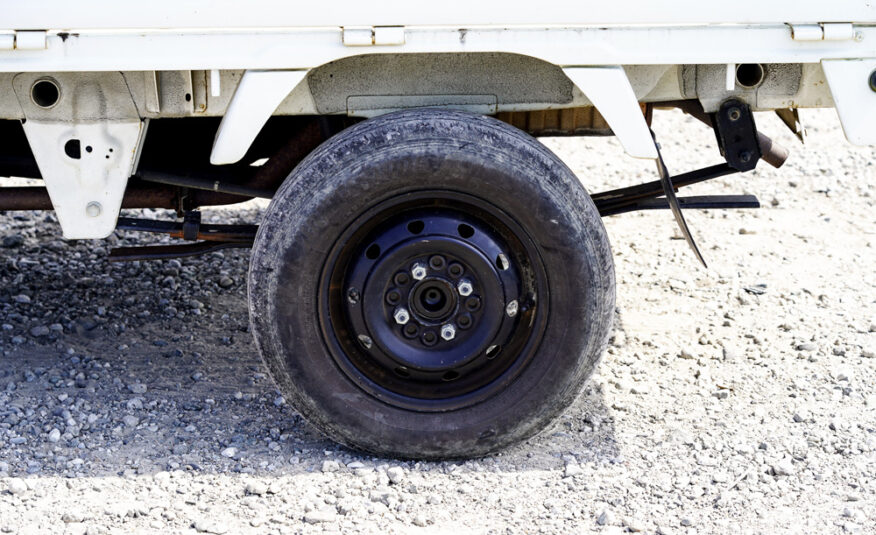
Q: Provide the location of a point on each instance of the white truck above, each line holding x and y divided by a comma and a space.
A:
429, 280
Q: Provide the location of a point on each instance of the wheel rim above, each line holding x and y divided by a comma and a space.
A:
433, 300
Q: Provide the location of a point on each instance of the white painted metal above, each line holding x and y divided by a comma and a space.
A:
86, 192
855, 100
609, 90
308, 48
30, 40
215, 83
389, 35
352, 36
838, 31
161, 14
7, 41
807, 32
257, 96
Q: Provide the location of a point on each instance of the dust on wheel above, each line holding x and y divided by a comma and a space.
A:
431, 284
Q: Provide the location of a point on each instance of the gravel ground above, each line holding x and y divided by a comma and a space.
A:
738, 399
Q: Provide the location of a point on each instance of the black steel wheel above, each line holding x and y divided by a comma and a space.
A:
431, 284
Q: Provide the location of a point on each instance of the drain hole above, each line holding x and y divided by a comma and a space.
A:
401, 371
416, 227
465, 231
45, 93
502, 262
749, 74
73, 149
492, 351
373, 252
451, 375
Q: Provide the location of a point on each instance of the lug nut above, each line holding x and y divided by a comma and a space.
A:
401, 316
418, 271
464, 287
448, 332
511, 309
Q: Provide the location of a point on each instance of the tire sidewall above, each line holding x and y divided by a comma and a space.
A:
410, 151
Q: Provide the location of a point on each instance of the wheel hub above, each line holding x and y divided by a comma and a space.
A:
433, 283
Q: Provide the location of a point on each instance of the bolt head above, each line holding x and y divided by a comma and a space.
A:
464, 287
448, 332
93, 209
418, 271
401, 315
734, 114
502, 262
353, 296
366, 341
511, 308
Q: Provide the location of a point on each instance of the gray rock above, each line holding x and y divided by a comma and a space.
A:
605, 518
321, 516
396, 474
330, 466
16, 486
229, 452
12, 240
784, 468
137, 388
206, 526
256, 488
130, 420
54, 435
572, 469
40, 330
21, 298
687, 353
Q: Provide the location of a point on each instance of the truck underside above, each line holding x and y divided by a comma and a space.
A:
429, 280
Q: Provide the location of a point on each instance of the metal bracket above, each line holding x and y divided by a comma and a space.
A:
85, 134
737, 135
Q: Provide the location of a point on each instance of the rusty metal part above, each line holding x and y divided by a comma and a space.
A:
161, 252
205, 184
221, 233
585, 120
136, 196
771, 152
270, 175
